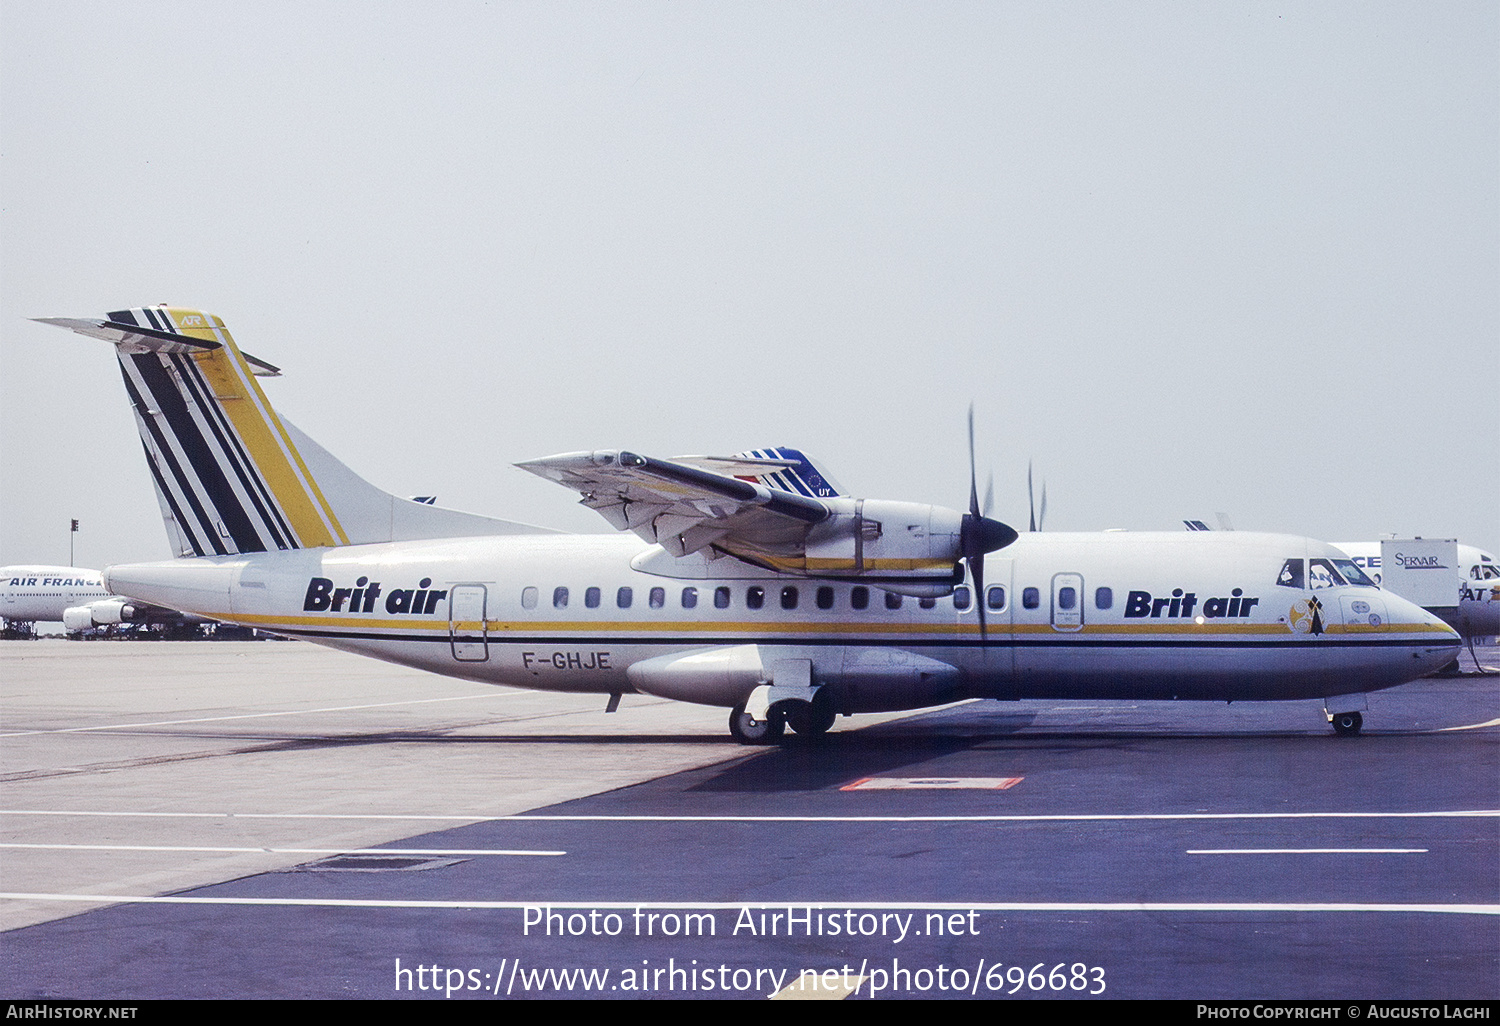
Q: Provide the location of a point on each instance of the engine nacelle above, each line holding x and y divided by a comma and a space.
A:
907, 547
103, 613
77, 618
96, 614
112, 611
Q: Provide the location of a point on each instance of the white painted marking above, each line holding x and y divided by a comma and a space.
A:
530, 818
735, 906
1307, 851
264, 715
933, 784
288, 851
1472, 726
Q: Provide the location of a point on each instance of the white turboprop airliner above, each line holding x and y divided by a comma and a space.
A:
74, 597
749, 582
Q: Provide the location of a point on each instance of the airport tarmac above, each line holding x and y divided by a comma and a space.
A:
186, 820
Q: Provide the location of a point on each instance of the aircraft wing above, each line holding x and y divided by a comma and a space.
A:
689, 503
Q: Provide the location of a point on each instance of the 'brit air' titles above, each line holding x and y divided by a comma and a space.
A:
1144, 604
322, 596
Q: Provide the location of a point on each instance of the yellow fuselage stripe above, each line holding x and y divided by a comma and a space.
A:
603, 627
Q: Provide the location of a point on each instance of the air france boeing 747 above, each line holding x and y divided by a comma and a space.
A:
74, 597
749, 582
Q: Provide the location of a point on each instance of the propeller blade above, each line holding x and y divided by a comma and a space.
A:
973, 487
976, 569
1030, 496
980, 534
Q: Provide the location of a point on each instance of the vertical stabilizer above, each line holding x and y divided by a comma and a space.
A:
230, 474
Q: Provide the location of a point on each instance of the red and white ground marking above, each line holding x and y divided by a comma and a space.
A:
933, 784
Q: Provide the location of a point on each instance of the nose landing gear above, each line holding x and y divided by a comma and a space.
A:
1347, 724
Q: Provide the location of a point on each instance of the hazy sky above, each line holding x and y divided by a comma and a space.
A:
1190, 257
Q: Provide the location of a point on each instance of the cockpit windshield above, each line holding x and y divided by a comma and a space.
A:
1353, 574
1485, 572
1321, 574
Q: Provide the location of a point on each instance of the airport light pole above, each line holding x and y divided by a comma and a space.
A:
70, 542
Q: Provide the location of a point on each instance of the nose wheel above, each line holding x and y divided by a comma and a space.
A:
1347, 724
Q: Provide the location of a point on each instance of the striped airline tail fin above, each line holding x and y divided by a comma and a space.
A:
233, 476
798, 474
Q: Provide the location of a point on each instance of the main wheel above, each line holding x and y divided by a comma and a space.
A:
812, 718
755, 732
1347, 724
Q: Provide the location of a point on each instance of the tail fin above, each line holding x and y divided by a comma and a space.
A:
784, 468
801, 475
232, 475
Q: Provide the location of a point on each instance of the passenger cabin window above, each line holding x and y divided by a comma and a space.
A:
961, 597
1291, 574
859, 597
1031, 598
755, 597
892, 600
927, 603
1067, 598
624, 597
721, 597
689, 598
658, 597
528, 598
789, 597
825, 597
1104, 598
591, 598
994, 598
559, 598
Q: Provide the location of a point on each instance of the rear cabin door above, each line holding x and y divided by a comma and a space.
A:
467, 630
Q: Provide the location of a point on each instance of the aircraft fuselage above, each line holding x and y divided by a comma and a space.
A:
41, 593
1114, 615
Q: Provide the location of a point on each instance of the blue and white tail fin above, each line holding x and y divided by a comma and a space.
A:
230, 473
800, 475
782, 468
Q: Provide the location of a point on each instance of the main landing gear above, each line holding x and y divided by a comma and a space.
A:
748, 731
811, 719
1347, 724
808, 719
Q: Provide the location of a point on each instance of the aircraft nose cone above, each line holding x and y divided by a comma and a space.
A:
1444, 642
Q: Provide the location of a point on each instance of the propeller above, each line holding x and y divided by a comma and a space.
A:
979, 534
1037, 519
